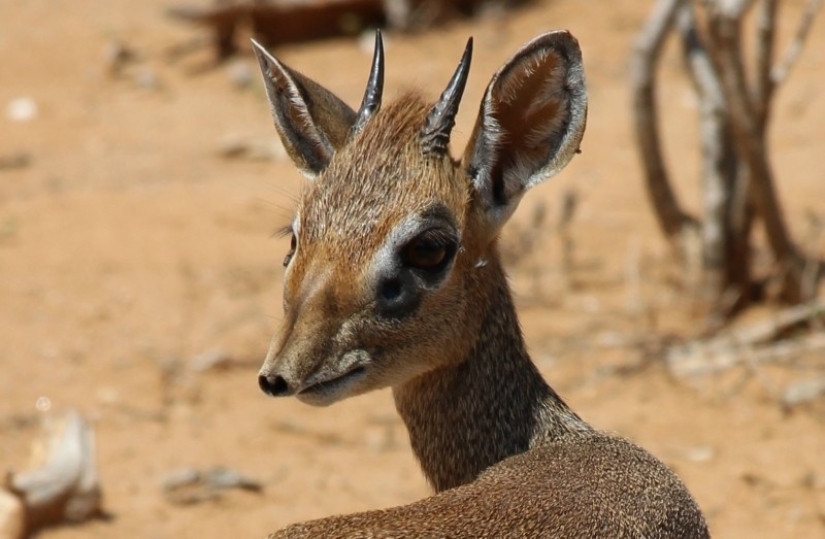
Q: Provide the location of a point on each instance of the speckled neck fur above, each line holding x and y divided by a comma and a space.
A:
492, 405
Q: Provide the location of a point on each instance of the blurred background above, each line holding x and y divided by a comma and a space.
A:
141, 183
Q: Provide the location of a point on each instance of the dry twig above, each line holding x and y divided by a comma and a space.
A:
754, 344
737, 175
749, 138
646, 52
780, 71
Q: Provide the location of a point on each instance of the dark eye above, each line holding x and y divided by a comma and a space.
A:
430, 250
292, 245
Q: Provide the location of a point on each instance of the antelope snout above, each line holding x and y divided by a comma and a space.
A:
293, 360
276, 378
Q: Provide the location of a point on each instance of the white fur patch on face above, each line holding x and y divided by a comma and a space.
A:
385, 259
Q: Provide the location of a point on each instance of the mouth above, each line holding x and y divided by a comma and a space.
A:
333, 385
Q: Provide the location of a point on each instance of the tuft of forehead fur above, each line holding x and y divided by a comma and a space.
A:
377, 179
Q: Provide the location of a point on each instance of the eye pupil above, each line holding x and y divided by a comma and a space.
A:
429, 251
425, 254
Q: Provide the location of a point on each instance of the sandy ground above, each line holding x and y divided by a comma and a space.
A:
129, 247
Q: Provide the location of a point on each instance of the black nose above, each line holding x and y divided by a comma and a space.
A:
274, 385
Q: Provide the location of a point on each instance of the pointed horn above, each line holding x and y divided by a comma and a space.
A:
375, 86
435, 135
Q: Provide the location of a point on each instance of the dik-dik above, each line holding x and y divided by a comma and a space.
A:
394, 279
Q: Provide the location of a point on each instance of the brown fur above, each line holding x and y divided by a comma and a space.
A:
506, 456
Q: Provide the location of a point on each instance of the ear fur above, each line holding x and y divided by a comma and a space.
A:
313, 123
531, 122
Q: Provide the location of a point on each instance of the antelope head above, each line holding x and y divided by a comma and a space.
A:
391, 237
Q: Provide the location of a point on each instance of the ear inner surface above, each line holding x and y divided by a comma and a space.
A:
530, 124
312, 122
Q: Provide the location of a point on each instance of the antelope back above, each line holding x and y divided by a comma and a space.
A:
391, 240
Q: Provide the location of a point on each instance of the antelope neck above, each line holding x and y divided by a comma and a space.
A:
494, 404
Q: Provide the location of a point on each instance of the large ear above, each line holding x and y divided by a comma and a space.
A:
312, 122
530, 124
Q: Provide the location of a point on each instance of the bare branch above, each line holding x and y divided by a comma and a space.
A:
734, 9
703, 358
655, 30
757, 342
765, 39
718, 158
698, 62
750, 147
780, 71
727, 210
646, 51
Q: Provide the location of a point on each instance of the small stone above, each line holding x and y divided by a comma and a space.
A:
239, 74
700, 453
108, 395
180, 478
379, 439
250, 148
22, 109
188, 486
147, 79
223, 478
115, 56
210, 360
813, 481
804, 391
15, 160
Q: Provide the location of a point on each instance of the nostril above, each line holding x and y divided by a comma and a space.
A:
274, 386
397, 295
391, 289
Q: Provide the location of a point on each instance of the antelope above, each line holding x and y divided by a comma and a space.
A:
394, 279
